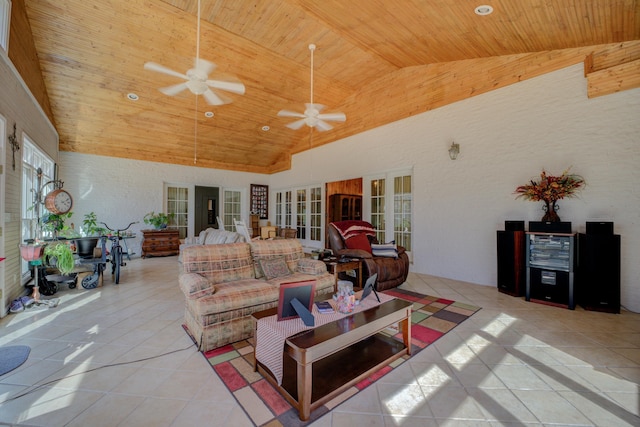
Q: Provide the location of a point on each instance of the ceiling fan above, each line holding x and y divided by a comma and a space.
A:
197, 78
312, 116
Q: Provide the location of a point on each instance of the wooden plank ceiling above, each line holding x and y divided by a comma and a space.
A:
376, 60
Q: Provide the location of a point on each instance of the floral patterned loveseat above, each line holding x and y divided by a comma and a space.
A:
224, 284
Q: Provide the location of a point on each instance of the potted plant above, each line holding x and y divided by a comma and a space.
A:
158, 220
54, 223
92, 233
60, 255
90, 226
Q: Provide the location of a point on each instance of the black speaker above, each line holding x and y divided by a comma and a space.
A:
514, 226
599, 227
598, 272
511, 262
550, 227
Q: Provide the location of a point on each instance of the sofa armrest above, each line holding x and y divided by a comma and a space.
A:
191, 241
311, 266
194, 285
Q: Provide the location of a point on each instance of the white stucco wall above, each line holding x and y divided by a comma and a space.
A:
121, 191
506, 137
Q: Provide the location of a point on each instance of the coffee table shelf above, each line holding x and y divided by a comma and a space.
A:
347, 366
321, 363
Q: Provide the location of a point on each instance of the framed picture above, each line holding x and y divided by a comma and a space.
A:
260, 200
303, 291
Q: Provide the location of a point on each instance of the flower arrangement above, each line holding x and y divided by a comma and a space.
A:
551, 188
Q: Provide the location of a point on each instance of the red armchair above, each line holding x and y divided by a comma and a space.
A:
391, 271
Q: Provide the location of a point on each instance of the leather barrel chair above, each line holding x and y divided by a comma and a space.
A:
392, 272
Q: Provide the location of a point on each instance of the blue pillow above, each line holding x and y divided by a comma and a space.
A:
389, 250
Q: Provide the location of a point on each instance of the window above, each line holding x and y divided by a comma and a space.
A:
316, 222
278, 209
32, 160
402, 211
232, 208
5, 23
287, 220
391, 216
377, 207
301, 213
178, 205
304, 213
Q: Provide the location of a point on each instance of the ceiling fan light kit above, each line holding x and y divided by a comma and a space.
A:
312, 116
197, 78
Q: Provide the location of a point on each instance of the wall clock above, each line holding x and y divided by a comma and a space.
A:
58, 202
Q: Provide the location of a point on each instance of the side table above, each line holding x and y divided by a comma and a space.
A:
334, 267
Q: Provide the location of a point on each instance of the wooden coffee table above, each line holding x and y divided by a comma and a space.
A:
321, 363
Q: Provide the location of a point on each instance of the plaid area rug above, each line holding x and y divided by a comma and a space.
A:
432, 318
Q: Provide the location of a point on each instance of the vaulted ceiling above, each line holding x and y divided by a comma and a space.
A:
377, 61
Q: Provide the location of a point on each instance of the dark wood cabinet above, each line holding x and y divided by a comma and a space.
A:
345, 207
160, 242
599, 272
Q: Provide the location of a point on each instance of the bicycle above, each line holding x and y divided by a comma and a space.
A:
116, 250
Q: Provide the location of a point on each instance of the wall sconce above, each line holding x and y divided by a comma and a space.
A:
454, 151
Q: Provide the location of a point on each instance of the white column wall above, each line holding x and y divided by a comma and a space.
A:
506, 137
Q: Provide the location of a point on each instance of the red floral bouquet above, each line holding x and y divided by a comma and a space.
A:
551, 188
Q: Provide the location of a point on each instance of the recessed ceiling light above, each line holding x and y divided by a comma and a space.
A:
132, 96
483, 10
208, 114
265, 128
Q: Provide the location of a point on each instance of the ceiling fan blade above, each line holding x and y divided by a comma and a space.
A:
296, 125
234, 87
204, 66
336, 117
321, 125
152, 66
173, 90
317, 107
287, 113
212, 98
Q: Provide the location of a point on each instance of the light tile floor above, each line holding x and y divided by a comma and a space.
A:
117, 356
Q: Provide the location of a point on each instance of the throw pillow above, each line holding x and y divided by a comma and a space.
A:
359, 241
389, 250
272, 268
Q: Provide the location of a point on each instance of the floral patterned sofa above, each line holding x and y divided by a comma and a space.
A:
224, 284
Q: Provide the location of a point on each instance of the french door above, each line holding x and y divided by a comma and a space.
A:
302, 209
388, 198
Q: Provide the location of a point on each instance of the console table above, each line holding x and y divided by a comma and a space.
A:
160, 242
